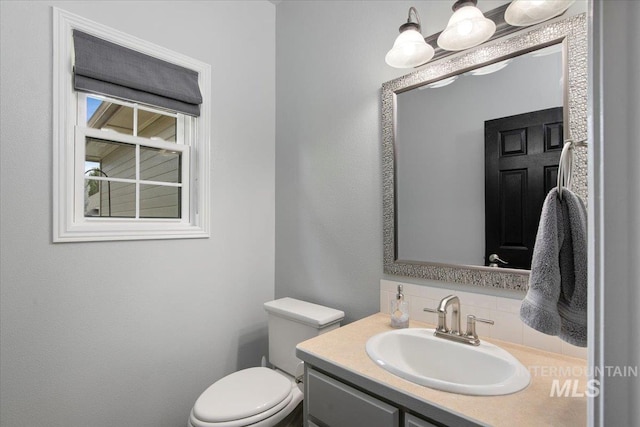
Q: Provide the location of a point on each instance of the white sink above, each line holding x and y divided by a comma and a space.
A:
417, 356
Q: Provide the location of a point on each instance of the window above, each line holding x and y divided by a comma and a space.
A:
136, 162
125, 169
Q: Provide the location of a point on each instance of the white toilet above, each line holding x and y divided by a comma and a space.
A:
262, 397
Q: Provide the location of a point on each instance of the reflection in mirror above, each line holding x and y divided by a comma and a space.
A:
441, 184
462, 194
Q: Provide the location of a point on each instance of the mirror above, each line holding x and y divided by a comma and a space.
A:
519, 103
445, 125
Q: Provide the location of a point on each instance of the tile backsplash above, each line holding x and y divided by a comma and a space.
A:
505, 312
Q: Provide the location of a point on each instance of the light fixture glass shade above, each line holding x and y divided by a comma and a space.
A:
522, 13
489, 69
409, 50
440, 83
467, 28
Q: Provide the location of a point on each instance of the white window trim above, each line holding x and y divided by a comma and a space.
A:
65, 226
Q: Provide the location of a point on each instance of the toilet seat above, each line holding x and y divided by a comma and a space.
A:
245, 398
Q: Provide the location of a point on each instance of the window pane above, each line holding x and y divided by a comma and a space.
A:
155, 125
89, 166
108, 115
159, 165
114, 159
109, 199
158, 201
92, 194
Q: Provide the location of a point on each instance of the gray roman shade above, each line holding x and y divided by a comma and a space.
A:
110, 69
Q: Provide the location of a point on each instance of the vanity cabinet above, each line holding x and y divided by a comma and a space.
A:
413, 421
344, 387
336, 404
332, 403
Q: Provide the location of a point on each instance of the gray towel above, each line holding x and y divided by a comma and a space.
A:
556, 302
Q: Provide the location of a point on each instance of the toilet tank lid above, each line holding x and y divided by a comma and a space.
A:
311, 314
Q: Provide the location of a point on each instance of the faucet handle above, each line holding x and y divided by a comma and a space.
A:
477, 319
471, 325
442, 321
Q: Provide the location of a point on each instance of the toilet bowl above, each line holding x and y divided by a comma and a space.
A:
263, 397
259, 397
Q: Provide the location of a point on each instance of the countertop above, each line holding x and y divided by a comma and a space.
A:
343, 351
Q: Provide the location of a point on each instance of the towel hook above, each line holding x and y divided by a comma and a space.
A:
565, 167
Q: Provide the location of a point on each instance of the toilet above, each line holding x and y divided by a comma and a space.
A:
262, 397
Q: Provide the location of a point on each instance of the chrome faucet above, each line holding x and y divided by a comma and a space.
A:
454, 333
442, 311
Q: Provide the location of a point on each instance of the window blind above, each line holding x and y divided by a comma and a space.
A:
110, 69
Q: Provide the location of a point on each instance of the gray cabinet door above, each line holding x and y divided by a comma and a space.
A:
412, 421
335, 404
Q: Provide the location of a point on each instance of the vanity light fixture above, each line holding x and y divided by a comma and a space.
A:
467, 27
410, 49
522, 13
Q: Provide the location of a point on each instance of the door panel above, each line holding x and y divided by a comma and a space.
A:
521, 166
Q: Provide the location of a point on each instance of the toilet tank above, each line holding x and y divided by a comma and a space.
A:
292, 321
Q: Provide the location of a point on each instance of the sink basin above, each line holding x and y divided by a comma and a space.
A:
418, 356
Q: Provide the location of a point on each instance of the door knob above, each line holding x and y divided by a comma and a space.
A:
494, 259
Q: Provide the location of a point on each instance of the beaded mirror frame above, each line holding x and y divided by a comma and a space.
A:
572, 34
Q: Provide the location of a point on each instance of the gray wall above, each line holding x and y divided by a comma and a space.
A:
329, 70
130, 333
615, 228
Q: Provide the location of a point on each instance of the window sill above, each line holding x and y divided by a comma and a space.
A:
149, 231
